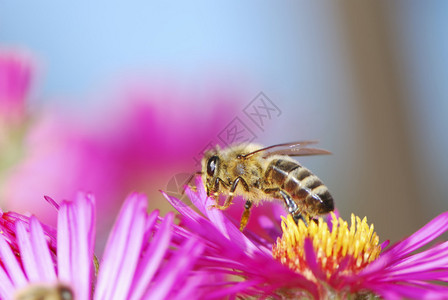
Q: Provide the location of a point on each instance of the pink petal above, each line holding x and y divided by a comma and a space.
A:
400, 291
26, 251
423, 236
45, 264
435, 253
64, 244
76, 231
84, 211
52, 202
432, 263
150, 223
190, 288
152, 258
182, 263
269, 226
183, 210
122, 250
11, 265
233, 289
397, 253
433, 275
6, 286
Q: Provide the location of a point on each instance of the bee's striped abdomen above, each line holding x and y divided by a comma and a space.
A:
307, 190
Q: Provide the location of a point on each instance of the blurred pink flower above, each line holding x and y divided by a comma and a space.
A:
139, 144
56, 158
140, 151
153, 136
15, 77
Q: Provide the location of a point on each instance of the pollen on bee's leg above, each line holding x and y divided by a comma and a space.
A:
246, 215
244, 220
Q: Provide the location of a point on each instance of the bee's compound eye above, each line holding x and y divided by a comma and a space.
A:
211, 165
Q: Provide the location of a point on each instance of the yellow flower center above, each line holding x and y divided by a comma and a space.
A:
355, 246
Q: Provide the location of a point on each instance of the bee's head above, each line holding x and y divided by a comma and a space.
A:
210, 168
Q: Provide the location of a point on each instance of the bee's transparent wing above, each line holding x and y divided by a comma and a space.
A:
291, 149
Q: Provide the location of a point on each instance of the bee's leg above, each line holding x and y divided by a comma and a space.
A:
232, 190
298, 216
217, 182
225, 205
293, 209
216, 187
246, 214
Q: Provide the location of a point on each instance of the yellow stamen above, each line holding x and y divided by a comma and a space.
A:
357, 243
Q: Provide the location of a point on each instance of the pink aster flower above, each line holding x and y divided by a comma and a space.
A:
135, 263
326, 259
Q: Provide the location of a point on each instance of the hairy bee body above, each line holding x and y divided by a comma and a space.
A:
265, 174
231, 168
307, 190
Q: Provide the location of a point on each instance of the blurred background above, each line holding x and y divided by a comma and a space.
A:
114, 97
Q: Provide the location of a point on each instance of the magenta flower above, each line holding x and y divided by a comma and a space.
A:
324, 260
140, 260
125, 145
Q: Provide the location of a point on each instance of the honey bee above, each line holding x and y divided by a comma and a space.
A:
45, 292
265, 174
